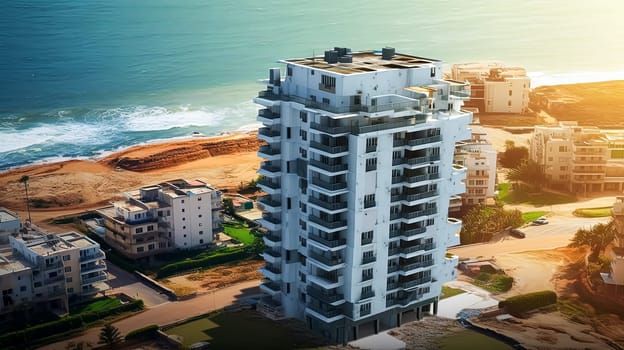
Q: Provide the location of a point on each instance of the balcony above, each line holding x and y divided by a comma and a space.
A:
270, 205
410, 267
272, 239
335, 206
93, 267
328, 223
53, 266
271, 309
408, 232
90, 280
327, 314
418, 196
329, 243
89, 257
417, 248
270, 171
271, 256
330, 262
421, 160
330, 187
408, 215
368, 259
367, 295
55, 279
331, 168
268, 117
415, 283
269, 186
270, 287
324, 295
327, 280
404, 301
332, 130
331, 150
274, 273
269, 135
411, 180
270, 223
423, 141
269, 153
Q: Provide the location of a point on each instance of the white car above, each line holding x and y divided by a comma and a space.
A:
540, 221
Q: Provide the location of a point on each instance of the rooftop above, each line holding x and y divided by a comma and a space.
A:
9, 263
7, 215
363, 62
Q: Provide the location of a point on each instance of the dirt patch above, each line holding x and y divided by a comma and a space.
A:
202, 282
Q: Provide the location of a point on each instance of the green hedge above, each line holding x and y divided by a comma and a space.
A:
525, 302
219, 257
145, 332
64, 324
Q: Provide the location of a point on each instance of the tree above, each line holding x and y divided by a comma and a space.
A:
529, 172
24, 179
480, 223
513, 156
598, 237
109, 335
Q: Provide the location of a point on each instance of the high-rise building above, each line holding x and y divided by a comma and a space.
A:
358, 173
182, 214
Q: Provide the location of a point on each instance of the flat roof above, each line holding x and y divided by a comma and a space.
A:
10, 263
363, 62
6, 215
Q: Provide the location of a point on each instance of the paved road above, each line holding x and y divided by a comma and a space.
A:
130, 284
167, 313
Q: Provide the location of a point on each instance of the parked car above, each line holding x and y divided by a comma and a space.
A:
540, 221
517, 233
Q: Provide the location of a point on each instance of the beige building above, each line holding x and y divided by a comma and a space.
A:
494, 87
46, 270
176, 214
580, 159
616, 251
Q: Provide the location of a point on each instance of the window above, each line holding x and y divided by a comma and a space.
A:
371, 164
183, 219
365, 309
150, 247
140, 249
366, 292
328, 82
37, 284
23, 288
289, 71
66, 257
303, 116
150, 228
201, 241
312, 97
510, 92
200, 215
433, 71
185, 235
303, 152
67, 268
367, 237
68, 280
357, 100
288, 132
312, 72
371, 144
201, 232
288, 203
326, 100
367, 274
70, 290
183, 201
369, 200
509, 103
184, 227
138, 230
368, 257
303, 134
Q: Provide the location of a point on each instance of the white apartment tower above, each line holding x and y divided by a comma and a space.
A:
358, 174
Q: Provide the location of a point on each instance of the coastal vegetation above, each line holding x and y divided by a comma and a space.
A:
513, 156
510, 194
597, 238
481, 223
448, 292
520, 304
493, 280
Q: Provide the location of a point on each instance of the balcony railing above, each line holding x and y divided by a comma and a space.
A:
416, 265
269, 150
268, 183
417, 213
327, 260
416, 282
418, 196
328, 167
269, 132
423, 141
328, 148
329, 224
94, 279
328, 205
327, 312
408, 232
422, 160
93, 267
269, 202
335, 129
331, 243
95, 256
368, 259
324, 295
330, 186
385, 126
416, 248
268, 114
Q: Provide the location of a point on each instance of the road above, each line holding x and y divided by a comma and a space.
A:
171, 312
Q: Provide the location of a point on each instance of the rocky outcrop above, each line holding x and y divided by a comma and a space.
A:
183, 152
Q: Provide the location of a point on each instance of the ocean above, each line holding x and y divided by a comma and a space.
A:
81, 79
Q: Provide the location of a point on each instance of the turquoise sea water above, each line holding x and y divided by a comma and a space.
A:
79, 79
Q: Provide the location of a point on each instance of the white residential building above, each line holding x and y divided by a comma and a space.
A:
358, 174
154, 219
479, 157
580, 159
44, 270
9, 223
494, 87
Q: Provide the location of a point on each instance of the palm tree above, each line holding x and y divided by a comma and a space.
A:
598, 237
24, 179
110, 336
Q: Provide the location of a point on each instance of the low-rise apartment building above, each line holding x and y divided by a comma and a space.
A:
579, 159
479, 157
494, 87
45, 270
176, 214
9, 223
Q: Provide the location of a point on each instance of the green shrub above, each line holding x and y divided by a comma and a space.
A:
487, 269
220, 257
525, 302
142, 333
483, 276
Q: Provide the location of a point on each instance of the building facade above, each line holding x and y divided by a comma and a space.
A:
358, 172
46, 270
616, 250
494, 87
580, 159
176, 214
9, 224
479, 157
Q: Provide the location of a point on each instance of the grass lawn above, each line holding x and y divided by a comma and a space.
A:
509, 196
475, 339
239, 232
241, 330
494, 282
593, 212
98, 305
448, 292
532, 215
